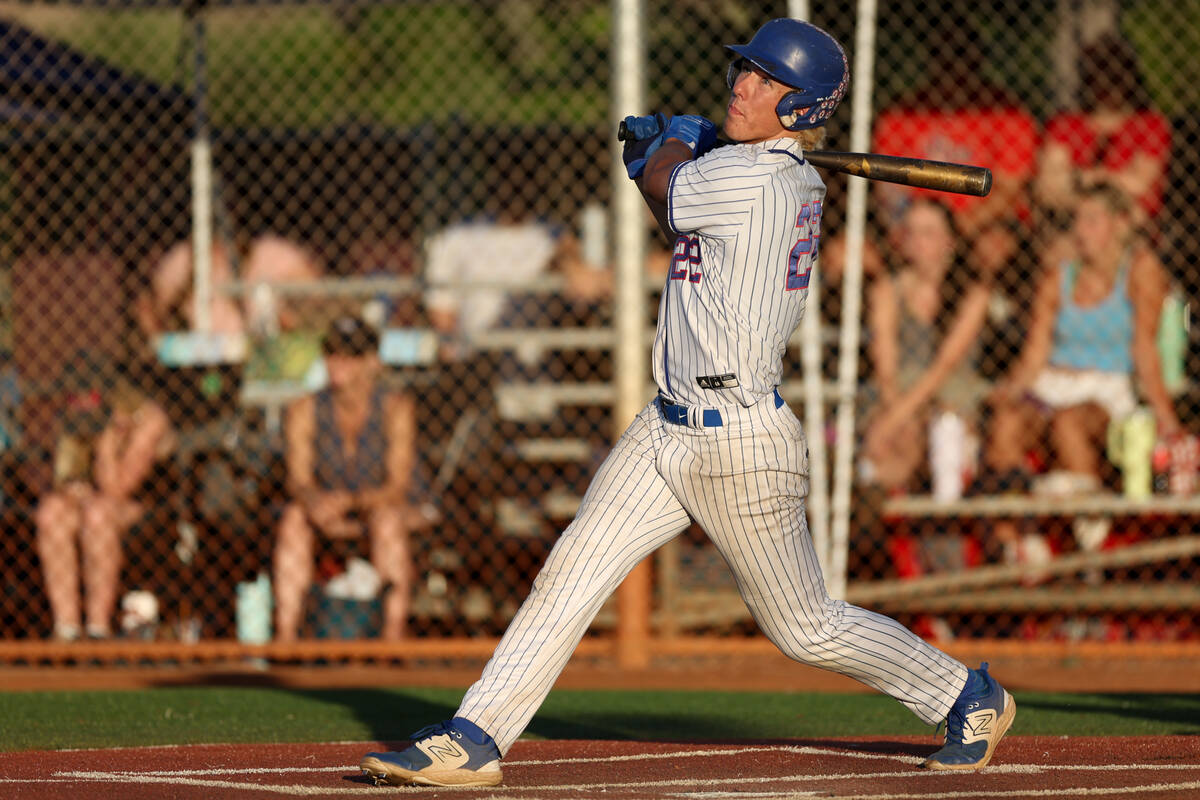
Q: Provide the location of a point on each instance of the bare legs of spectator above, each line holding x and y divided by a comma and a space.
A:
390, 555
1010, 432
58, 518
897, 455
1075, 432
104, 520
293, 571
97, 523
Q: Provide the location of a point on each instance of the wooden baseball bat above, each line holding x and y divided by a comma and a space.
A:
942, 176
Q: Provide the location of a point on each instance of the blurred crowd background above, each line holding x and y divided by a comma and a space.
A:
376, 411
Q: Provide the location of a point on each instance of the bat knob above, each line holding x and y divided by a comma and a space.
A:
622, 131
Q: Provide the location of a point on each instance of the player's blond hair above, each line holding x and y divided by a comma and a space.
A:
811, 138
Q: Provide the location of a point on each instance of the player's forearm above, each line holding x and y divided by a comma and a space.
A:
659, 210
655, 182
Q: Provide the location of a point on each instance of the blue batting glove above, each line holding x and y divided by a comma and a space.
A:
647, 137
698, 133
646, 127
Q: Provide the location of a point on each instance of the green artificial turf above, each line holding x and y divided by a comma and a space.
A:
53, 720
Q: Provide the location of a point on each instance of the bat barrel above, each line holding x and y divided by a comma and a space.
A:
939, 175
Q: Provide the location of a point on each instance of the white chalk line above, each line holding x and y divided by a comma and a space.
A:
196, 773
1027, 769
999, 769
186, 778
1075, 791
195, 777
195, 745
36, 780
798, 750
300, 791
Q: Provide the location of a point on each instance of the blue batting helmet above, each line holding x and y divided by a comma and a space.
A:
803, 57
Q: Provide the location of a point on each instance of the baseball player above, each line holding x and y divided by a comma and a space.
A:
717, 445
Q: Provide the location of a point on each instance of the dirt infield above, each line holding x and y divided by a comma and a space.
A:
1164, 768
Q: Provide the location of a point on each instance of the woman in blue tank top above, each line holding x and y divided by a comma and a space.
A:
1091, 352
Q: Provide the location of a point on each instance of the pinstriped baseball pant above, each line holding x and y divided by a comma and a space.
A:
744, 483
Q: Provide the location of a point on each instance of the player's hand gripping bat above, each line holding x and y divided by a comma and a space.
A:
940, 175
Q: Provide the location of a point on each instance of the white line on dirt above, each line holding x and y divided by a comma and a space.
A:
995, 769
556, 761
188, 779
778, 780
799, 750
1079, 791
195, 773
300, 791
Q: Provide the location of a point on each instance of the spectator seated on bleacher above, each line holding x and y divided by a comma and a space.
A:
350, 454
168, 305
517, 249
111, 465
957, 114
925, 316
1091, 337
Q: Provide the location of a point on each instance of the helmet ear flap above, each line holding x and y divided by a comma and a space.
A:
791, 111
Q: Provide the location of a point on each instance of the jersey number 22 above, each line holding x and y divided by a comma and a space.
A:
804, 252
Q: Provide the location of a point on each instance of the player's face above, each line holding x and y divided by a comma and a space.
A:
750, 116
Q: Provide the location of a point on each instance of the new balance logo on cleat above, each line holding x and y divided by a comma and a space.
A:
979, 726
443, 752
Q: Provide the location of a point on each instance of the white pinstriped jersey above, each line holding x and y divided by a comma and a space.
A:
748, 218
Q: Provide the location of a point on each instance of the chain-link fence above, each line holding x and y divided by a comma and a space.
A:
366, 405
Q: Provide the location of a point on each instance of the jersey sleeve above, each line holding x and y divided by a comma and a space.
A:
714, 194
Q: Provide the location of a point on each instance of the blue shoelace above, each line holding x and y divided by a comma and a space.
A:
434, 730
